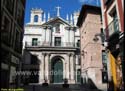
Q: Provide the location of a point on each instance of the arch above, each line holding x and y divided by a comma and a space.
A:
57, 69
36, 18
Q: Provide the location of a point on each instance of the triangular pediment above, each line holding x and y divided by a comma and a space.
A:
57, 20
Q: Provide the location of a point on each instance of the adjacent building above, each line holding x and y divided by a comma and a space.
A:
113, 27
51, 48
12, 20
91, 49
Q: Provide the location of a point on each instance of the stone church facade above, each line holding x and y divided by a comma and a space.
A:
51, 48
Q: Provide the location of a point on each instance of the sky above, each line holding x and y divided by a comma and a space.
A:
67, 6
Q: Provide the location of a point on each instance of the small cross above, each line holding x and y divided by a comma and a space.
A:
58, 11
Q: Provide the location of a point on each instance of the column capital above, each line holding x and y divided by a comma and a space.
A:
47, 27
70, 54
48, 54
43, 53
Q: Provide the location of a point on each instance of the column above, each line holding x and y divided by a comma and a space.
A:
67, 66
72, 68
41, 68
47, 35
47, 68
72, 40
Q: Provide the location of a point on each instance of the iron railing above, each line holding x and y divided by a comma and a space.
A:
51, 44
113, 27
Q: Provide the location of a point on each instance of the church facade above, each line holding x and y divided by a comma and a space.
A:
51, 47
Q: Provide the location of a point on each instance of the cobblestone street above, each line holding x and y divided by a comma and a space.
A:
58, 88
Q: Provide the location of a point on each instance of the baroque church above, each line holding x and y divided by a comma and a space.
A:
51, 47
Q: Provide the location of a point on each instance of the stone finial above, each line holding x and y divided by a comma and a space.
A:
44, 17
71, 19
48, 16
67, 18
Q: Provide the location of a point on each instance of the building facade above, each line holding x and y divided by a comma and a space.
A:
12, 19
113, 27
51, 47
91, 48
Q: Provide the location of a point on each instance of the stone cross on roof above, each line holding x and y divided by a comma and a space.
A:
58, 11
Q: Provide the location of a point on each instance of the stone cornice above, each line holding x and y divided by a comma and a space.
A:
52, 48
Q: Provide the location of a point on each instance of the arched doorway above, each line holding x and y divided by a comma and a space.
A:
57, 70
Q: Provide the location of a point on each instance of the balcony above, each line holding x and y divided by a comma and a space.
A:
50, 44
108, 2
113, 27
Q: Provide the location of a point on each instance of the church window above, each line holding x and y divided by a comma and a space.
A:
34, 41
57, 41
58, 28
36, 18
78, 43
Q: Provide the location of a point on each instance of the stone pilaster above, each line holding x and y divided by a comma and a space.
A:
72, 80
67, 71
47, 59
41, 67
72, 34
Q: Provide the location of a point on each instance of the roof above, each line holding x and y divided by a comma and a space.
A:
51, 21
57, 19
84, 10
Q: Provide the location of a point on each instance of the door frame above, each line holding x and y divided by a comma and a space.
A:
51, 68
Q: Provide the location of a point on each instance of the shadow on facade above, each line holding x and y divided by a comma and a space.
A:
30, 69
89, 85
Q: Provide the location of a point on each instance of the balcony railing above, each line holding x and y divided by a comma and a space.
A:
107, 2
50, 44
113, 27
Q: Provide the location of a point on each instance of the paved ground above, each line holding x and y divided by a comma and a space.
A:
58, 88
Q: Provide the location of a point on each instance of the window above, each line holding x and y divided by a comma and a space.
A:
12, 74
5, 33
20, 15
34, 41
9, 4
78, 76
108, 2
79, 60
36, 18
57, 28
104, 77
17, 41
102, 35
57, 41
78, 43
104, 57
104, 62
116, 24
